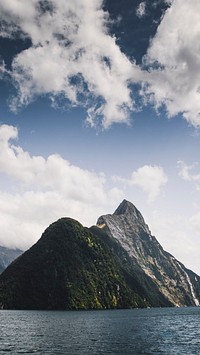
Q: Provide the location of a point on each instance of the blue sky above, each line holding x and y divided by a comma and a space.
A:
100, 102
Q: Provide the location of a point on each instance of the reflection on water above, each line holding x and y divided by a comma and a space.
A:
140, 331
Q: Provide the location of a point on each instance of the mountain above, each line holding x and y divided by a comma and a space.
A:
115, 264
127, 228
1, 268
7, 255
68, 268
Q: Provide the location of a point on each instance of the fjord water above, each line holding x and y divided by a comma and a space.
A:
124, 332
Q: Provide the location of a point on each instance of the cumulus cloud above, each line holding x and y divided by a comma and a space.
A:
174, 77
150, 179
141, 9
190, 173
72, 55
178, 234
47, 189
74, 60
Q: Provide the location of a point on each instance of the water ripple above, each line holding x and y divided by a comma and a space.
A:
129, 332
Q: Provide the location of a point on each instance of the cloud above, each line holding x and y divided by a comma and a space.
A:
190, 173
178, 234
72, 55
194, 222
173, 56
150, 179
74, 60
141, 9
46, 190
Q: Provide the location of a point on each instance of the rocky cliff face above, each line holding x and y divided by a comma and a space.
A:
127, 227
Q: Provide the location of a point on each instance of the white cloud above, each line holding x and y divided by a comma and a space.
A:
178, 234
141, 9
71, 55
150, 179
47, 189
190, 172
194, 222
176, 50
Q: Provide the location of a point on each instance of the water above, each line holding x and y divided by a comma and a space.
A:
126, 332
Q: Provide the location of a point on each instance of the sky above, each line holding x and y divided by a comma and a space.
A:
100, 101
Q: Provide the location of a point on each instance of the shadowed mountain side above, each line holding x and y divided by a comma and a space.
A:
1, 268
68, 268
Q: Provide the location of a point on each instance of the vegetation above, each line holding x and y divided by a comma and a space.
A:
135, 277
72, 267
68, 268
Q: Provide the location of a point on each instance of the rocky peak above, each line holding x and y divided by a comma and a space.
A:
127, 227
128, 209
125, 224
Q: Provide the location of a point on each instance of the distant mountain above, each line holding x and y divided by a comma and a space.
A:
127, 228
116, 264
68, 268
7, 255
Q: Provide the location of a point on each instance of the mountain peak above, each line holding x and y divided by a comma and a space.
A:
132, 214
127, 208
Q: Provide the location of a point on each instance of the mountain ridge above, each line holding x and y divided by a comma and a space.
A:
68, 268
116, 264
127, 226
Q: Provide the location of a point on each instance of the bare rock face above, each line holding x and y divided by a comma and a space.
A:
180, 286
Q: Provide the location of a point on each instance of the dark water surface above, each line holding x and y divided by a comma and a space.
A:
139, 331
